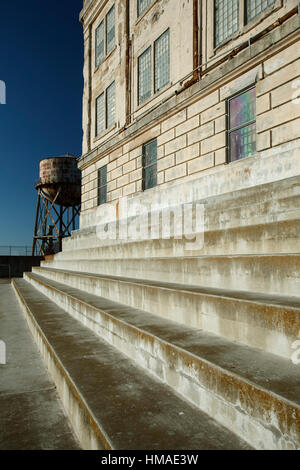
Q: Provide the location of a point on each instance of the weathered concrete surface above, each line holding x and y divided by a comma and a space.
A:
114, 404
267, 322
243, 388
31, 415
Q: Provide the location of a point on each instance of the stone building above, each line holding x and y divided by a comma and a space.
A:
191, 112
174, 73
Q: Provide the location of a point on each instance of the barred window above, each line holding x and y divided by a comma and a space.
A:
100, 114
242, 125
102, 185
100, 53
144, 76
150, 164
226, 19
110, 30
255, 7
142, 6
110, 105
162, 61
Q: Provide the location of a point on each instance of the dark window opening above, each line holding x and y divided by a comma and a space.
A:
150, 164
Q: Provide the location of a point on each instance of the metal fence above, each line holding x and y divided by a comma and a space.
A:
12, 250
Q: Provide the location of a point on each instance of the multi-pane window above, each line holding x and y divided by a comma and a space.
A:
162, 61
144, 75
105, 36
150, 164
105, 109
142, 6
226, 19
255, 7
110, 30
160, 74
102, 185
242, 125
100, 114
110, 105
100, 50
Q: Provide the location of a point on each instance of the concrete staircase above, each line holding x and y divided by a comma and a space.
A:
153, 346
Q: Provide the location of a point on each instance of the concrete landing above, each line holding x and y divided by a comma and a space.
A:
31, 415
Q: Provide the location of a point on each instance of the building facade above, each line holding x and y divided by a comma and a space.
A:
197, 93
187, 104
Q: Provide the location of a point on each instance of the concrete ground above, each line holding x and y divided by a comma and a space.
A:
31, 415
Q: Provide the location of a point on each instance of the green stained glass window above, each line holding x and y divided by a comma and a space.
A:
242, 125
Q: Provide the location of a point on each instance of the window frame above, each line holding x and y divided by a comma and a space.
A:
230, 130
141, 13
146, 167
106, 52
154, 92
101, 186
243, 25
106, 127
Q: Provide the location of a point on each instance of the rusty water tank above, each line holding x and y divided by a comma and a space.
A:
60, 179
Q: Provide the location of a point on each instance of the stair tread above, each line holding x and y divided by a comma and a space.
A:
264, 370
254, 297
142, 412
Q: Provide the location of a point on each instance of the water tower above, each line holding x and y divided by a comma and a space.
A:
58, 204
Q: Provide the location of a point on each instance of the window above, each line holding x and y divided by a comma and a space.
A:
100, 114
142, 6
242, 125
161, 61
226, 19
160, 76
110, 30
100, 53
105, 36
150, 164
144, 78
102, 185
110, 105
105, 110
255, 7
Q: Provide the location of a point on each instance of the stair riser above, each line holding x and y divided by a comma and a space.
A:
209, 388
252, 206
266, 274
86, 429
272, 329
277, 237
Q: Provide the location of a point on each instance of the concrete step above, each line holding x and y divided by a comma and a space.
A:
272, 274
256, 206
267, 322
32, 417
273, 237
112, 402
254, 394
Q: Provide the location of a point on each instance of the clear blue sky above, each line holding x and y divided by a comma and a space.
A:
41, 60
